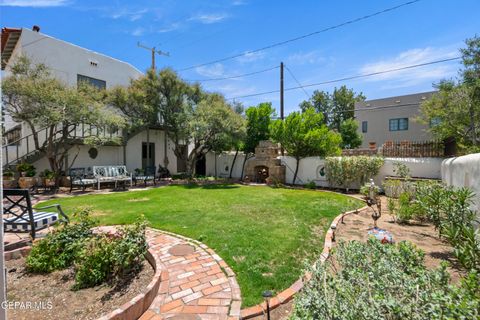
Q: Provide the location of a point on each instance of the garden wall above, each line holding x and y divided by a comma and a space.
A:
464, 172
310, 168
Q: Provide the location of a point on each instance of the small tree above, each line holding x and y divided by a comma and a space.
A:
304, 135
51, 108
257, 128
351, 139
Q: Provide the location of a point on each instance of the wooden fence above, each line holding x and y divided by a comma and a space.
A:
413, 149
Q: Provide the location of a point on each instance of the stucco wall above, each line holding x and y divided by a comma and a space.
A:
464, 172
310, 168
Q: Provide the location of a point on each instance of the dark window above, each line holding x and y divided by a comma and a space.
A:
13, 135
97, 83
364, 126
399, 124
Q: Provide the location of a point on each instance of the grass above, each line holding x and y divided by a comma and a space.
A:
264, 234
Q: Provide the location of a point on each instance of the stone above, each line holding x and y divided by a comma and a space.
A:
181, 250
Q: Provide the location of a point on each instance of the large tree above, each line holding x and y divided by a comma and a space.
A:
258, 128
454, 111
54, 111
335, 107
304, 135
351, 139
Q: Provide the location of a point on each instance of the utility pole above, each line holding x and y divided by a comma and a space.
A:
281, 100
281, 92
154, 51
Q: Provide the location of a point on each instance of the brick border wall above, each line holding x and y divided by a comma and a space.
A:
288, 294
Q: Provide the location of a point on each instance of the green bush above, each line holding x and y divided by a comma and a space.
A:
60, 247
310, 185
345, 171
375, 281
401, 170
105, 257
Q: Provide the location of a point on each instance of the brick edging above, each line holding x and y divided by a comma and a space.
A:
287, 294
16, 253
134, 308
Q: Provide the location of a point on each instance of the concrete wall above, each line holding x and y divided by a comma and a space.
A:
377, 114
224, 162
464, 172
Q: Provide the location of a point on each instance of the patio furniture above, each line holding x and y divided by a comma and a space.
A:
20, 217
78, 177
109, 174
148, 174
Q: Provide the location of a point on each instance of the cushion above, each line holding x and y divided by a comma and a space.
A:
84, 181
41, 220
144, 177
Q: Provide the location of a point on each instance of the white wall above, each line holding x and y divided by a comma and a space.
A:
310, 168
464, 172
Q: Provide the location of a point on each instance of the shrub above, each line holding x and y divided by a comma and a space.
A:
310, 185
344, 171
365, 190
28, 168
375, 281
401, 170
105, 257
60, 247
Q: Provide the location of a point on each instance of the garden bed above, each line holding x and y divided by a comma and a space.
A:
58, 301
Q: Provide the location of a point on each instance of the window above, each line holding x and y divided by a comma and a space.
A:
13, 136
97, 83
364, 126
398, 124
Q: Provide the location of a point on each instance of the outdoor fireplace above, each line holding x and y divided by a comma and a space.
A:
265, 166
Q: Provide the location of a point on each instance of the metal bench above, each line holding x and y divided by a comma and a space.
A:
19, 217
78, 177
109, 174
148, 174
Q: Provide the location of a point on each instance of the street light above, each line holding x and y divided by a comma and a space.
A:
267, 295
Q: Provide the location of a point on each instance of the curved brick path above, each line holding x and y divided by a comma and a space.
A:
195, 285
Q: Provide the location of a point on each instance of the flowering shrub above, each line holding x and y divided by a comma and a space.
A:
375, 281
345, 171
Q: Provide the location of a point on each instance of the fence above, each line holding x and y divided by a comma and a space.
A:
360, 152
408, 149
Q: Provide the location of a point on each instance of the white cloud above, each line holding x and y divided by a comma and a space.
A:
209, 18
137, 32
251, 56
172, 27
414, 76
214, 70
128, 14
310, 57
34, 3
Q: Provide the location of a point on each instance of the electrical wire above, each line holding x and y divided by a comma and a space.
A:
234, 77
349, 78
303, 36
298, 82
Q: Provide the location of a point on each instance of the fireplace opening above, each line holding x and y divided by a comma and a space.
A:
261, 174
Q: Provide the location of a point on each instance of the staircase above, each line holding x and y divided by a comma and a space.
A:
23, 149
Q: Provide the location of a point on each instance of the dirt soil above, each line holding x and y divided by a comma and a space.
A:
55, 300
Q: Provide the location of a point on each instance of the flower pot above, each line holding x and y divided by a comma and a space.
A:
9, 183
26, 182
49, 182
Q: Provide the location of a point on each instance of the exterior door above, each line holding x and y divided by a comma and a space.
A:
182, 164
146, 163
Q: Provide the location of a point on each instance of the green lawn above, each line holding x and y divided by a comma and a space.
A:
264, 234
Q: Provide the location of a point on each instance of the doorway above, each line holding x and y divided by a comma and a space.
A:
201, 167
261, 174
182, 163
151, 161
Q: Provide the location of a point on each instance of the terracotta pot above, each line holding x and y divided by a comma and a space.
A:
26, 182
9, 183
48, 182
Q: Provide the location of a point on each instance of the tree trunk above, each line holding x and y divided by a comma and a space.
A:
296, 171
233, 163
215, 155
243, 166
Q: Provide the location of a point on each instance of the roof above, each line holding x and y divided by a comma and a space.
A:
409, 99
10, 38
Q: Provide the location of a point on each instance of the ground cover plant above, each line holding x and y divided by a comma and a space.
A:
375, 281
263, 233
95, 257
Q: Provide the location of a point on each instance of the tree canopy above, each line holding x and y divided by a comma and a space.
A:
304, 134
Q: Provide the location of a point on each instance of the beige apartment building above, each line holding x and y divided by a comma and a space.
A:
391, 119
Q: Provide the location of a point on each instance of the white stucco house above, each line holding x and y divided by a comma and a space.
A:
71, 64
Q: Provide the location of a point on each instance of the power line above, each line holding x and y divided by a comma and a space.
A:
298, 82
350, 78
234, 77
303, 36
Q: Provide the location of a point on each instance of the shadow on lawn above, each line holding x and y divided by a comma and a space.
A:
209, 186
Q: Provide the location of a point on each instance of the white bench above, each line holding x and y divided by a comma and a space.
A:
111, 174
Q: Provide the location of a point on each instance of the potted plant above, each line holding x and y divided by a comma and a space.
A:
9, 179
48, 178
27, 172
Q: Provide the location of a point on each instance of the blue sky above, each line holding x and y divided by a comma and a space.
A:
195, 32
